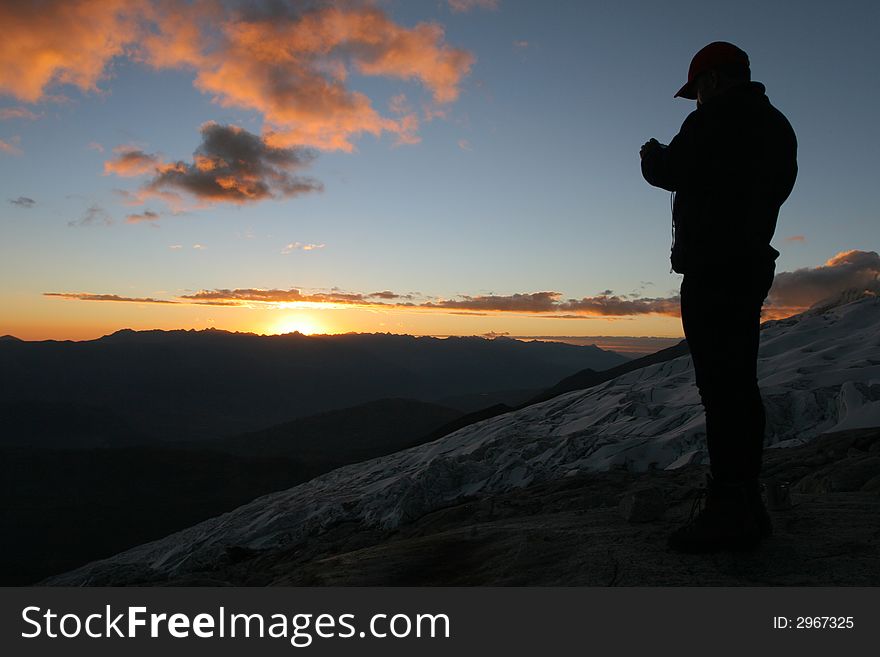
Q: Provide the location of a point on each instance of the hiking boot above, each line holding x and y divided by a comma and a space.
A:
727, 520
762, 517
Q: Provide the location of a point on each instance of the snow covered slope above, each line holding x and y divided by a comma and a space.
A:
819, 371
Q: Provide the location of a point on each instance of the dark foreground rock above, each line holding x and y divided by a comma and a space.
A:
605, 529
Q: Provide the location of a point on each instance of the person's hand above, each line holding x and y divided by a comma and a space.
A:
647, 146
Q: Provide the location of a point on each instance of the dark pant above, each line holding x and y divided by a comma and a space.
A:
721, 315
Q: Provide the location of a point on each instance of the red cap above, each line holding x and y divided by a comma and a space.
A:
716, 54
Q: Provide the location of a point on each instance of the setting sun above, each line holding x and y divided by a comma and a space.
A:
296, 323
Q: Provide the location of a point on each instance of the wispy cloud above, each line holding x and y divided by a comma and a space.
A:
10, 147
792, 292
94, 215
300, 246
23, 202
463, 6
536, 303
551, 302
85, 296
146, 215
399, 104
7, 113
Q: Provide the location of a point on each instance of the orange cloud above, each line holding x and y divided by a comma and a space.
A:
291, 63
62, 42
130, 162
796, 291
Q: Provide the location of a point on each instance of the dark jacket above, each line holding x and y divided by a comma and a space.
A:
731, 166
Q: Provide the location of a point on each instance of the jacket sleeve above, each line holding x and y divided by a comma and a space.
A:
668, 167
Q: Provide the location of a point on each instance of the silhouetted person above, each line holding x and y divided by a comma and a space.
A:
731, 166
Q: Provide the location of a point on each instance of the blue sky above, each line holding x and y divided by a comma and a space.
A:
529, 183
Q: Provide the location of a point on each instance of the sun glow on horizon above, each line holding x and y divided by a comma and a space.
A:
296, 324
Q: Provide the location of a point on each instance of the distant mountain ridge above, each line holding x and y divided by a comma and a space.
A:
589, 377
817, 371
200, 385
73, 500
348, 435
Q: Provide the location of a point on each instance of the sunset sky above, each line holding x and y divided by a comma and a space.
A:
422, 166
